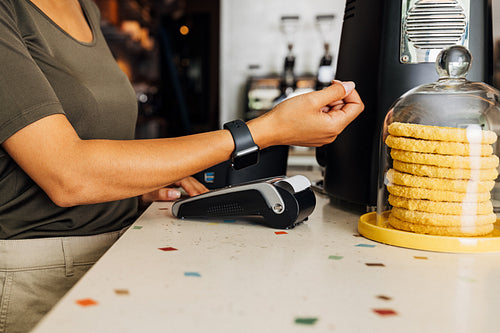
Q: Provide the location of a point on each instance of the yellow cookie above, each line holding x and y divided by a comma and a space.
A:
442, 133
442, 207
471, 231
445, 220
449, 173
447, 161
458, 185
438, 147
436, 195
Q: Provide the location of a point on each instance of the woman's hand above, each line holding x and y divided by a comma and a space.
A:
312, 119
189, 184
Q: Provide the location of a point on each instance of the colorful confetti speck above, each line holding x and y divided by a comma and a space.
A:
169, 248
121, 291
86, 302
374, 264
229, 221
306, 320
385, 312
335, 257
384, 298
138, 227
365, 245
281, 232
196, 274
422, 258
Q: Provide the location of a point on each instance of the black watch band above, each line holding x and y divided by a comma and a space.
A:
246, 152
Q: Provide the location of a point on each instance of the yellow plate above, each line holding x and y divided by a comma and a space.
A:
382, 232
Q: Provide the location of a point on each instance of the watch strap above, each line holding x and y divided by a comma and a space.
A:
244, 146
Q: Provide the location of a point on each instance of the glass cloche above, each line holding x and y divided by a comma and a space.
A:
439, 155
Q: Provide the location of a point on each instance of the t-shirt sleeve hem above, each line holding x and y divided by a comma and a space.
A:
28, 117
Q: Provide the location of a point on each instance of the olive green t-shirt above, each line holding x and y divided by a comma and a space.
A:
44, 71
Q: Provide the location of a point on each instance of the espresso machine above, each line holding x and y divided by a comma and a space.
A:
387, 48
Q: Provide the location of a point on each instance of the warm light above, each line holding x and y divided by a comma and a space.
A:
184, 30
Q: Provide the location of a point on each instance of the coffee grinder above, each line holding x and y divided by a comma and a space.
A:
326, 70
388, 47
289, 26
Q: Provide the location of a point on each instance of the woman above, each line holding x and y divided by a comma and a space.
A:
70, 171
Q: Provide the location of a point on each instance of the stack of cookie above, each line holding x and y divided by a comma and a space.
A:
441, 179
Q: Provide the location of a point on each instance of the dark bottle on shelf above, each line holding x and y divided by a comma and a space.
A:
288, 84
326, 71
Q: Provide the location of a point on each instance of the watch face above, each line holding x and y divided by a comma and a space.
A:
246, 158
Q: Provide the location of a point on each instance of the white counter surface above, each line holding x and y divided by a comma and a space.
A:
234, 276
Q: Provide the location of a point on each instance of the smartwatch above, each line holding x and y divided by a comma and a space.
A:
246, 152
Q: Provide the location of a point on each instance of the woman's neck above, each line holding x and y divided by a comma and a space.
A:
69, 16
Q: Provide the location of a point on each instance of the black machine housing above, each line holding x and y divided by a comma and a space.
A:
272, 163
369, 55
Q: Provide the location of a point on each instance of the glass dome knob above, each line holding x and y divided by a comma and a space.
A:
453, 62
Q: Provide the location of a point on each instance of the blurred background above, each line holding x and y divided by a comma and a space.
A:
196, 64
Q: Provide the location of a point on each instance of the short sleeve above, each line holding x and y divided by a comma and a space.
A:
25, 93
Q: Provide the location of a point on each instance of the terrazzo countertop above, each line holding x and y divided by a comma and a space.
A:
172, 275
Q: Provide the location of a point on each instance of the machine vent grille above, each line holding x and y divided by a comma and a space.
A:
434, 24
225, 209
350, 8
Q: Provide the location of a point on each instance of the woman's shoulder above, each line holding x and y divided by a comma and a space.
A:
8, 8
16, 11
11, 13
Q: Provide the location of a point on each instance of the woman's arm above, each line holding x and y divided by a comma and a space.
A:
74, 171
